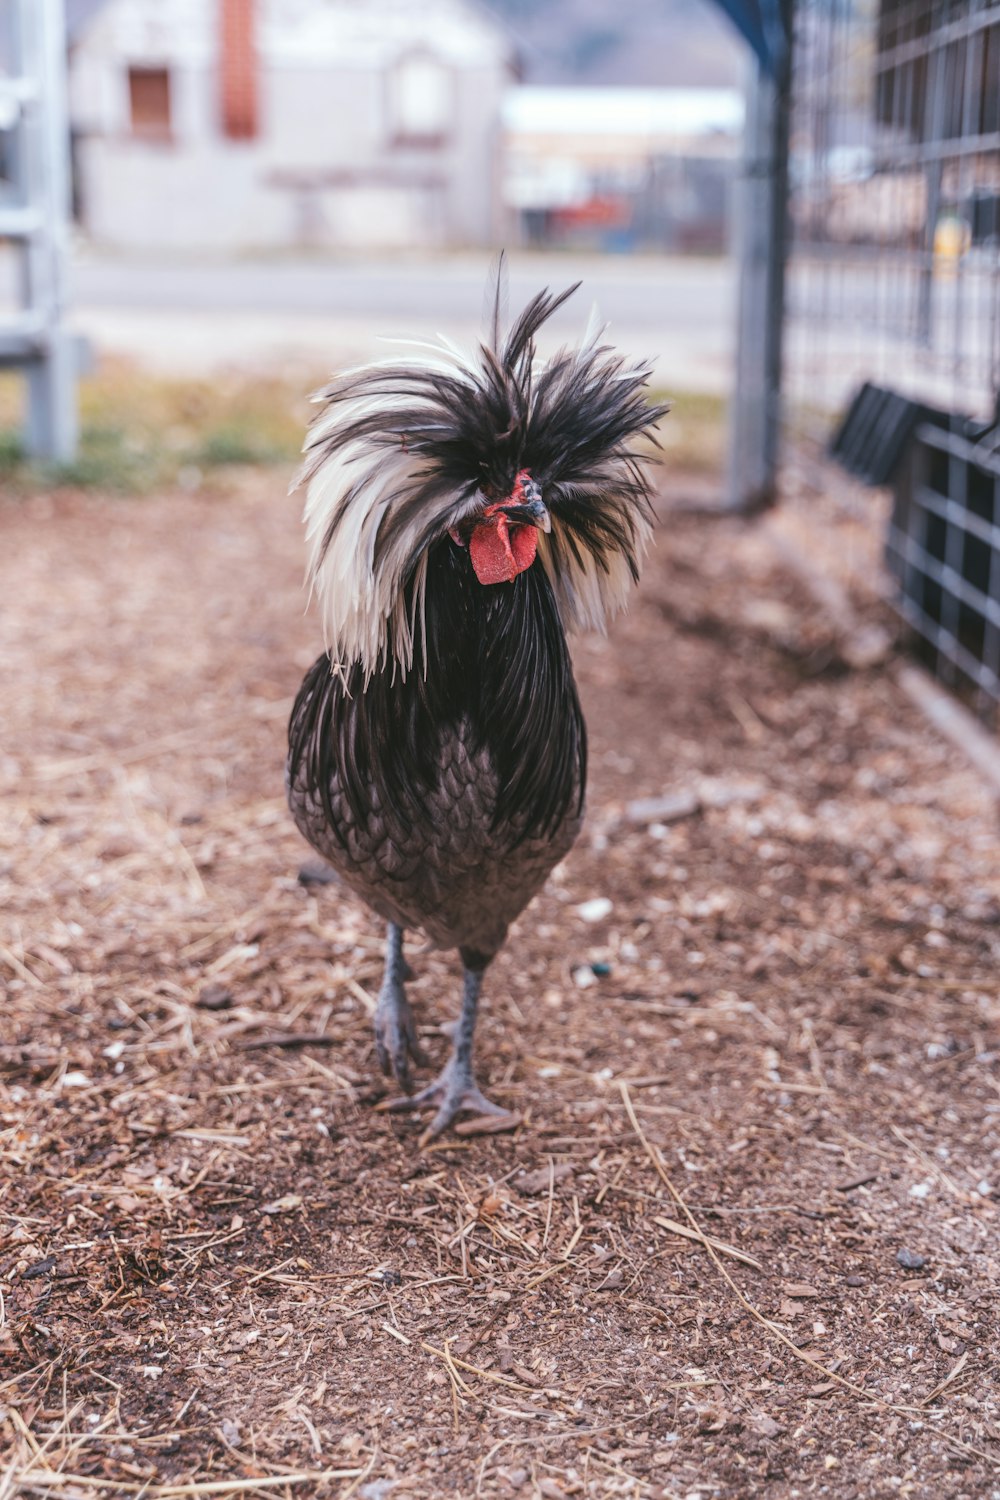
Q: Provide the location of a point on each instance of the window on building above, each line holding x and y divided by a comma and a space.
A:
149, 102
7, 148
422, 100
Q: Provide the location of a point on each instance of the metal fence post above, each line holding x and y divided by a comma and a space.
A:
760, 217
34, 212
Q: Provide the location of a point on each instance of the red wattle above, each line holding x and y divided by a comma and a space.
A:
500, 551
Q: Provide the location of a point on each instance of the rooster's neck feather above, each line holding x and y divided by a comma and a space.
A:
497, 673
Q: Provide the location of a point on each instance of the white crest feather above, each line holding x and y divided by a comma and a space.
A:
363, 608
590, 593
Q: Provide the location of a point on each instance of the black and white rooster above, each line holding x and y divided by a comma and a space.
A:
462, 513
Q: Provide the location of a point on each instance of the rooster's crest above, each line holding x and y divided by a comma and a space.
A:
410, 449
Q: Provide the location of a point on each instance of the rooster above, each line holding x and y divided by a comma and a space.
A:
462, 514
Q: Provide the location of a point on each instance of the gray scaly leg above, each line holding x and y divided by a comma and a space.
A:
395, 1029
455, 1089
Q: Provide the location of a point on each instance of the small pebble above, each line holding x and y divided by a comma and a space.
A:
377, 1489
595, 910
669, 808
855, 1280
910, 1261
215, 997
317, 872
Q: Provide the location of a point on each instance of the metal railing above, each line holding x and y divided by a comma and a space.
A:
34, 214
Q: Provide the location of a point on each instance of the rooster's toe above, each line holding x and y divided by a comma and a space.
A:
455, 1093
396, 1038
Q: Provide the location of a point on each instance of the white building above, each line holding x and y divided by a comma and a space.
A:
264, 123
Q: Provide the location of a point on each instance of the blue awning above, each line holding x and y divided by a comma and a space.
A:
765, 25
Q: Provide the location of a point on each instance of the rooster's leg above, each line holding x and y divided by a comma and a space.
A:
395, 1029
455, 1089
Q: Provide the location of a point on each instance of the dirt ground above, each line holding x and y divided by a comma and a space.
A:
223, 1272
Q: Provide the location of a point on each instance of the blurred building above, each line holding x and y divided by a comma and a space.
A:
622, 169
264, 123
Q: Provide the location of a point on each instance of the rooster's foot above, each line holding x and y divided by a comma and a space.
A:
395, 1028
455, 1092
396, 1036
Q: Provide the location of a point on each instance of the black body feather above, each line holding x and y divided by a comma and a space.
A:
497, 667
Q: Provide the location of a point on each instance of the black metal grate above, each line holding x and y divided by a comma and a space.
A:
943, 546
872, 440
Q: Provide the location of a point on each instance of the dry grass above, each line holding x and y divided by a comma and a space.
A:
769, 1072
141, 432
694, 436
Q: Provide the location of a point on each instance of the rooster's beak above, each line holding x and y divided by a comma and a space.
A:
530, 513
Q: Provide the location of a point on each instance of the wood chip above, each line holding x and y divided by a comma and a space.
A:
530, 1183
488, 1124
283, 1205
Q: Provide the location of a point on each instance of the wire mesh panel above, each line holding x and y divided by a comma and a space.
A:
895, 201
894, 286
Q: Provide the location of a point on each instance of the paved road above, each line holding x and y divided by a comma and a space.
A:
633, 292
200, 314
